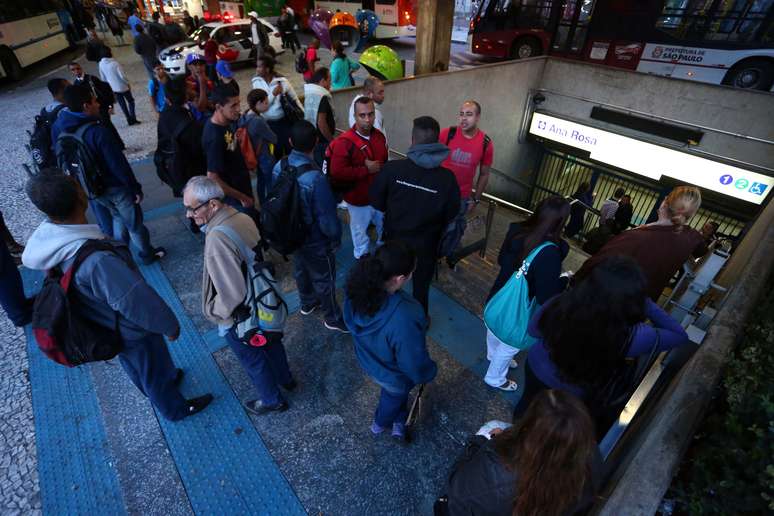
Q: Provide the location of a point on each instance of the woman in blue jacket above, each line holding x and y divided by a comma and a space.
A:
388, 327
585, 334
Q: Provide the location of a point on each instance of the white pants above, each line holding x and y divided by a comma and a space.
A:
499, 355
359, 219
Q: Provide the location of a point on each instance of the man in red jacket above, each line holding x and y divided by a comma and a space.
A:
355, 158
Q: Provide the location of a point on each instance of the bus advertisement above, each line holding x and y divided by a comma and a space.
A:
716, 41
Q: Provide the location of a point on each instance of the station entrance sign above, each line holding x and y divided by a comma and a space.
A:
653, 161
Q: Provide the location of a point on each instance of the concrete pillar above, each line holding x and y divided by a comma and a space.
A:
434, 30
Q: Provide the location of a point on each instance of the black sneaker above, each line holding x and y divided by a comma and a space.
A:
256, 407
196, 405
290, 386
308, 309
178, 377
337, 326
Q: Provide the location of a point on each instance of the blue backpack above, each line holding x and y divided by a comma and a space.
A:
508, 313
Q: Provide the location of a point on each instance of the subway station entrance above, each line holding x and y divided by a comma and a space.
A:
731, 202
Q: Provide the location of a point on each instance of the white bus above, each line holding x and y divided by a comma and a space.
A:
30, 30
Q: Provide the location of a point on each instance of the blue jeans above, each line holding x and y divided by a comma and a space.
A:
127, 216
151, 370
360, 217
267, 366
105, 221
314, 268
12, 296
392, 408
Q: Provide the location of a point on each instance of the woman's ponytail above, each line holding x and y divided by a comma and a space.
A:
365, 286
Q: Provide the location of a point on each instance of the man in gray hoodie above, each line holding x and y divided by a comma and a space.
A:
419, 198
109, 289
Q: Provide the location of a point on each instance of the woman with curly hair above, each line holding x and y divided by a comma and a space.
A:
388, 327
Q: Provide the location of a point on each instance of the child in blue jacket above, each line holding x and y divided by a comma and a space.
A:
388, 327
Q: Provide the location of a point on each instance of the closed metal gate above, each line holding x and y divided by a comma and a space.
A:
561, 174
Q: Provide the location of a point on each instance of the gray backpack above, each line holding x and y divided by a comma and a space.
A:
268, 311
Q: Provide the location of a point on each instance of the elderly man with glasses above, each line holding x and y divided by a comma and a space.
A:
224, 288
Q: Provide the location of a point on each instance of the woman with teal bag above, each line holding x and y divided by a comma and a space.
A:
542, 233
342, 68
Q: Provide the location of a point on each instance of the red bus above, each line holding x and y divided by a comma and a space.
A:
716, 41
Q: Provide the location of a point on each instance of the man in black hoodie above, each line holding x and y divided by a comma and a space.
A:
419, 198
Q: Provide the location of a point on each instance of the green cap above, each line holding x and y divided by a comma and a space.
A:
383, 62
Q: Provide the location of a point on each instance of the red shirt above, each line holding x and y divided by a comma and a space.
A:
210, 52
348, 153
311, 57
465, 157
659, 251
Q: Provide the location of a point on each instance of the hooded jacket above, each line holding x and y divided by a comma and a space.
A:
105, 284
116, 172
418, 196
390, 345
317, 203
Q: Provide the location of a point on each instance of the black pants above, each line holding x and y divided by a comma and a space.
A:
532, 386
291, 41
426, 250
12, 297
314, 268
126, 101
281, 128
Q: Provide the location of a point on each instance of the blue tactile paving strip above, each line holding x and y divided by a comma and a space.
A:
223, 463
74, 464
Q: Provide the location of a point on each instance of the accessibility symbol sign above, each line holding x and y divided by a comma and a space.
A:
758, 188
726, 179
742, 183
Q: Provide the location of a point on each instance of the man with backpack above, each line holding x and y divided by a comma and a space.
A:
314, 261
86, 150
352, 161
471, 151
41, 145
419, 198
179, 154
231, 236
106, 296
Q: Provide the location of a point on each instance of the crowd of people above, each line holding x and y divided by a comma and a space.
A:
209, 152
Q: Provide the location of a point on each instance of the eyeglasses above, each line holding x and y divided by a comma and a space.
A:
192, 211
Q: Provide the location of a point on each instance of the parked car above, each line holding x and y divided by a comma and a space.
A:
236, 36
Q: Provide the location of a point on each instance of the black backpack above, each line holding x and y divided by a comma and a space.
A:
61, 332
41, 147
76, 159
302, 65
282, 216
180, 161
